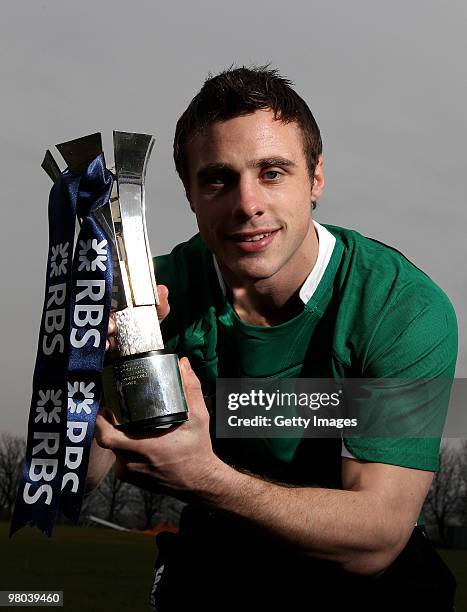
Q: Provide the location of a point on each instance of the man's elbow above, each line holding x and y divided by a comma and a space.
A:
378, 559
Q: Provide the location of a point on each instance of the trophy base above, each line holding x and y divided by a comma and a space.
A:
144, 392
149, 425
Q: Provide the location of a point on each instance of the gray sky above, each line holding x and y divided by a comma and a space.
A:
385, 80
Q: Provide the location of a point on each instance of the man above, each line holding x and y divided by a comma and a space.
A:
264, 291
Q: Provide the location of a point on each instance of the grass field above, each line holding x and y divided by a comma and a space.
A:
102, 569
457, 562
97, 569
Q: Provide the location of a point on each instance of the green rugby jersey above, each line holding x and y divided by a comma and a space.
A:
373, 315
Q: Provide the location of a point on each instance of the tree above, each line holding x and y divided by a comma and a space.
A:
115, 495
156, 507
463, 469
443, 502
150, 504
12, 453
130, 506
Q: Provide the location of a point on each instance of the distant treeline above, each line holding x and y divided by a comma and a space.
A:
132, 507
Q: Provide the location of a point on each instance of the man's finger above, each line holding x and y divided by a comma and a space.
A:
110, 343
163, 308
107, 414
192, 387
112, 329
109, 437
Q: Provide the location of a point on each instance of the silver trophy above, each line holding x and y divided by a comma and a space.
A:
142, 384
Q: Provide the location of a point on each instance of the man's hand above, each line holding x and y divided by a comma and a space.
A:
180, 459
101, 459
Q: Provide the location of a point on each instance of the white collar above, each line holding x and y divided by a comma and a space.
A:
325, 248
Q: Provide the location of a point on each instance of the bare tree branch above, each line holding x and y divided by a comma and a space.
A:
442, 504
12, 453
115, 495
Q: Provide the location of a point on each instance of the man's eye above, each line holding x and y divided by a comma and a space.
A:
271, 175
216, 181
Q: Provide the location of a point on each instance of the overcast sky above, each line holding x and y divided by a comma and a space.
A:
385, 80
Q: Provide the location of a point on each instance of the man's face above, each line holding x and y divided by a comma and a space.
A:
251, 192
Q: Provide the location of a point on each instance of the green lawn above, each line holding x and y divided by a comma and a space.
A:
457, 561
97, 569
102, 569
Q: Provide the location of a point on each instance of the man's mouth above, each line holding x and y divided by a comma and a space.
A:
251, 236
254, 240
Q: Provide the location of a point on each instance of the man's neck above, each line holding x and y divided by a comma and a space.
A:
274, 300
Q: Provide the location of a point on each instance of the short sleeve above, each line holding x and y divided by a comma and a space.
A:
414, 339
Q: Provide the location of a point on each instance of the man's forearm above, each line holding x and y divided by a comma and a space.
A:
362, 527
348, 527
100, 462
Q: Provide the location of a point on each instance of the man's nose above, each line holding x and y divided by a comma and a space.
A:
247, 198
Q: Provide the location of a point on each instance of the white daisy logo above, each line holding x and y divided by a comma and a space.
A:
49, 406
92, 255
59, 259
80, 397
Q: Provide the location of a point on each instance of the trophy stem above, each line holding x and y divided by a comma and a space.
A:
138, 330
143, 386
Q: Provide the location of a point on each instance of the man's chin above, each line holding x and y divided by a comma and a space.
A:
251, 273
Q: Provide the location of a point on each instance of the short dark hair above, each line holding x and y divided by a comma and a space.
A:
242, 91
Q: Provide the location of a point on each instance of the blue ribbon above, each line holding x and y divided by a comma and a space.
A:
66, 383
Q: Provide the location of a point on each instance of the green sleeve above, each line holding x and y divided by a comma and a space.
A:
415, 338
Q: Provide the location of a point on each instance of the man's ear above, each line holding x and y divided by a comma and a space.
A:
187, 194
318, 183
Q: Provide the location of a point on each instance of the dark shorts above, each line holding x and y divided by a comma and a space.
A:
214, 569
